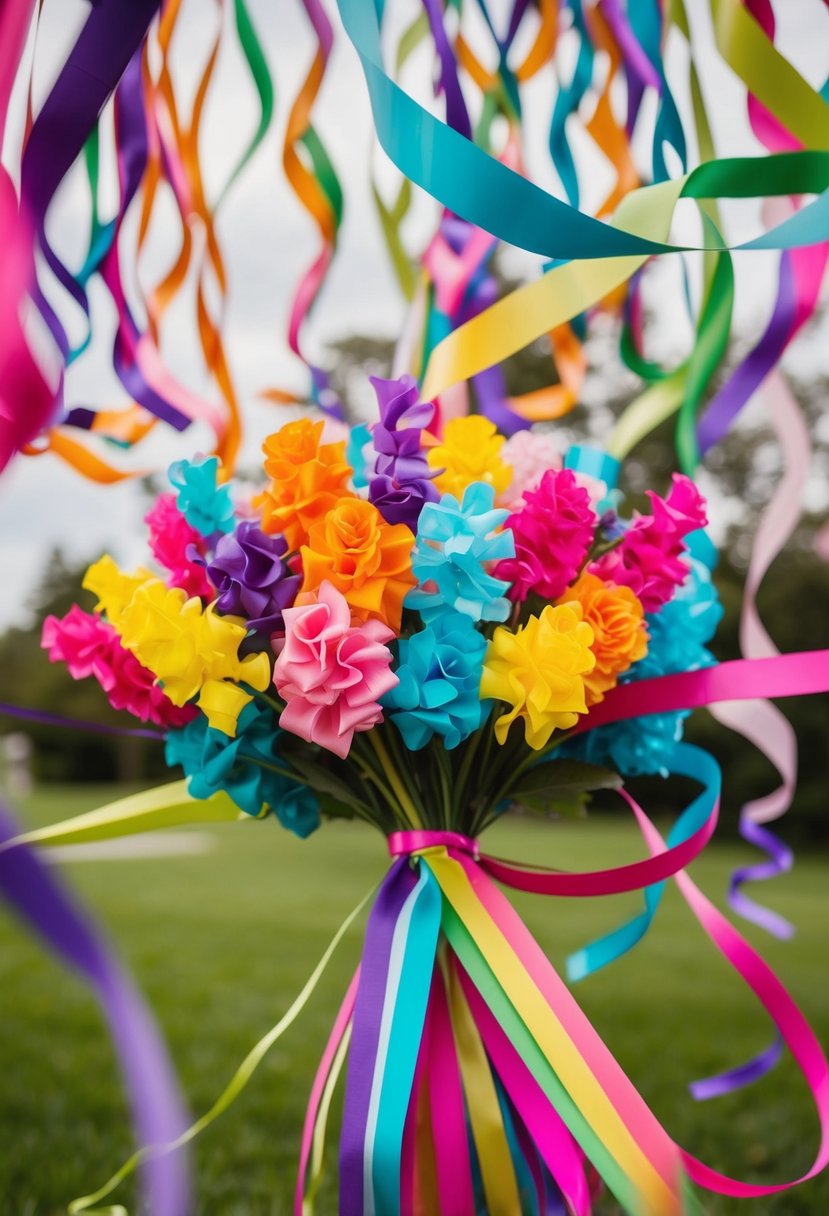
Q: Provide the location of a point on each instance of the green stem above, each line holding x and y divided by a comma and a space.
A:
276, 705
446, 794
275, 768
405, 802
465, 769
402, 760
372, 777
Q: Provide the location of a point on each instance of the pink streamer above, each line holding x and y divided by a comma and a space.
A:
539, 881
793, 1027
15, 20
786, 675
452, 1167
335, 1038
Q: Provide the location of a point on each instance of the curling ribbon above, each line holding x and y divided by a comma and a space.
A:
35, 893
800, 276
500, 201
319, 191
66, 118
145, 145
617, 1131
761, 722
26, 399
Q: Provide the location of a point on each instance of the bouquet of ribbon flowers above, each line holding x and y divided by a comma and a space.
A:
403, 588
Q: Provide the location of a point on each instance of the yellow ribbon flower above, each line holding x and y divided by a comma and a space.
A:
539, 671
191, 650
113, 587
470, 451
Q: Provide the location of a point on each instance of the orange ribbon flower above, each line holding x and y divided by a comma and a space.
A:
617, 619
366, 559
307, 479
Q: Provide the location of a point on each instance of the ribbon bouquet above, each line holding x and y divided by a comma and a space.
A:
420, 626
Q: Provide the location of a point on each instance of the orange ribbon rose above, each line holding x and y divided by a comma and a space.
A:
617, 619
366, 559
307, 479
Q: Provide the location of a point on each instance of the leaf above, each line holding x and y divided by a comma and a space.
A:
557, 784
565, 805
335, 808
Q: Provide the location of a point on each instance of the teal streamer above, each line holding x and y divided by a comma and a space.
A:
646, 23
411, 964
567, 102
687, 761
485, 192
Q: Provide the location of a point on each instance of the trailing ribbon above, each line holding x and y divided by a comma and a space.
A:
34, 892
686, 761
787, 675
164, 1149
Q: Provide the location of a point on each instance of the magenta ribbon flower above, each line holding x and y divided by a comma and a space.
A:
553, 532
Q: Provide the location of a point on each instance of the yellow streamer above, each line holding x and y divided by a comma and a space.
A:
551, 1037
652, 407
770, 77
494, 1157
556, 297
166, 806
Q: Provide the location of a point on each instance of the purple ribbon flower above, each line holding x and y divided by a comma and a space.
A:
252, 579
402, 483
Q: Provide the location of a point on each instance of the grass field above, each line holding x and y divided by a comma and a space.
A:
222, 942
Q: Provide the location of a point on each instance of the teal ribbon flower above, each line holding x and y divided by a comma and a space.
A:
212, 761
454, 543
439, 673
205, 504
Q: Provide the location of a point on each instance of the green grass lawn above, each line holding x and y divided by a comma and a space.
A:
221, 943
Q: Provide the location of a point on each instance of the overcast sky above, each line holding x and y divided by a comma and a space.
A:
268, 240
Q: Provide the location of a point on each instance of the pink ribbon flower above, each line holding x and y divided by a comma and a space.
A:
331, 673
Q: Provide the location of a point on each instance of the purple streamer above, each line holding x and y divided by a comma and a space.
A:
95, 64
39, 898
98, 728
750, 374
740, 1077
368, 1010
637, 65
780, 860
457, 115
519, 9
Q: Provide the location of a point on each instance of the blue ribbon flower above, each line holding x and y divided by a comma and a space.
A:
453, 543
205, 504
212, 761
439, 670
